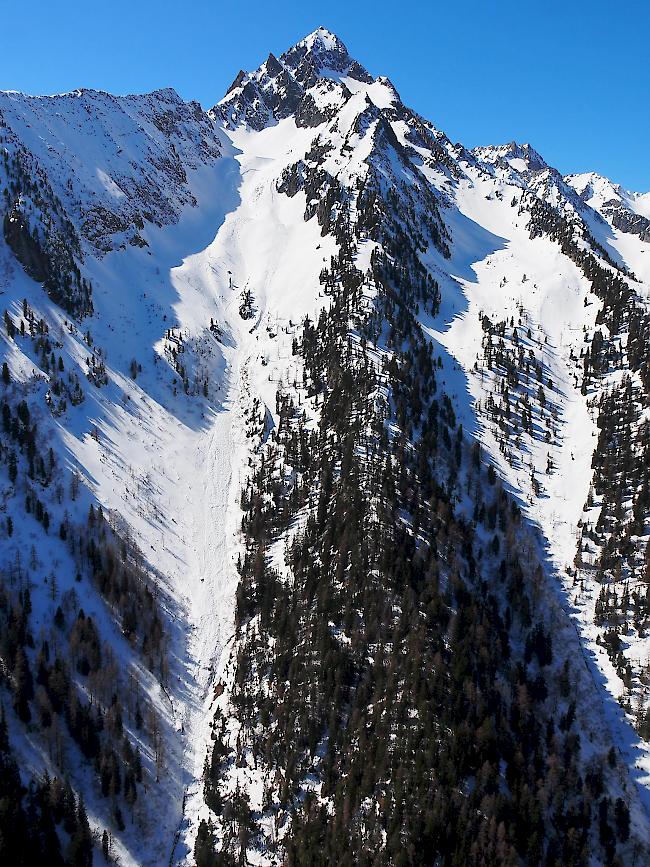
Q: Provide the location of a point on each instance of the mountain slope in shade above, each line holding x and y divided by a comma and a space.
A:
282, 346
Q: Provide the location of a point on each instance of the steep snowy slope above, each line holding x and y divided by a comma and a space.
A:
527, 316
116, 163
627, 213
571, 323
257, 348
178, 401
124, 419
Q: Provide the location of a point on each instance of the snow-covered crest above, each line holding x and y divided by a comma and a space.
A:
520, 157
116, 163
598, 191
280, 87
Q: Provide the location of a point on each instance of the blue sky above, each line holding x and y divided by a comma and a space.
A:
570, 77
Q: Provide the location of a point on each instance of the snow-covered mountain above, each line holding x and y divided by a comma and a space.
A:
324, 497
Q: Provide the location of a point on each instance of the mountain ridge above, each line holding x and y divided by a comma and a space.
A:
307, 43
324, 376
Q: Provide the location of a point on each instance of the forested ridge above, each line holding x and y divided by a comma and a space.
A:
396, 688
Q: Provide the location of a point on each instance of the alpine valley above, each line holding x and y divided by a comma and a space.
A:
324, 486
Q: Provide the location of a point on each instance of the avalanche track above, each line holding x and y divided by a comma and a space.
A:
203, 466
208, 501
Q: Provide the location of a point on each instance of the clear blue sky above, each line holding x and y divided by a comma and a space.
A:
570, 77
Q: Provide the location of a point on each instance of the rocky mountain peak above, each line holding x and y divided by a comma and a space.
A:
323, 54
280, 86
520, 157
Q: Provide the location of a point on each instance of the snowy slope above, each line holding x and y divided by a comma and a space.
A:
531, 285
171, 464
598, 191
141, 449
116, 163
627, 215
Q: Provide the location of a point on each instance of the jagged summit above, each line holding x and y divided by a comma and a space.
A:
521, 157
279, 87
322, 54
320, 40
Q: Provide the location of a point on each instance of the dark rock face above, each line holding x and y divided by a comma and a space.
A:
357, 71
239, 80
308, 114
100, 224
284, 98
48, 261
246, 106
625, 220
273, 66
25, 246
